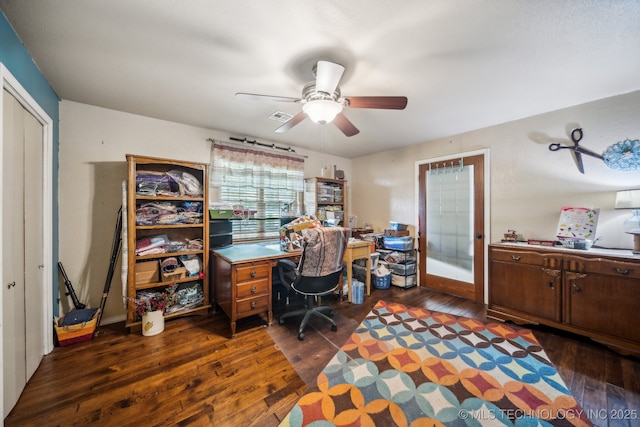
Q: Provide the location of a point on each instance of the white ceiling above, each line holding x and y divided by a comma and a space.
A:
463, 64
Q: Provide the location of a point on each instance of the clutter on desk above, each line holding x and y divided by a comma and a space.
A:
359, 232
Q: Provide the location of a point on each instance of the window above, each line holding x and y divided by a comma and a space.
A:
259, 184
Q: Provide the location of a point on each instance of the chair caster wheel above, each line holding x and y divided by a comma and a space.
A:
281, 321
334, 328
331, 313
301, 336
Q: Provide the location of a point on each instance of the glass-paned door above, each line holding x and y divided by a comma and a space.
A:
451, 226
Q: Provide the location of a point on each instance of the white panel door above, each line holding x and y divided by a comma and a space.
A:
22, 248
13, 314
33, 241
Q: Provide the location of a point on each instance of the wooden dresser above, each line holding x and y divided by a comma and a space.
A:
595, 293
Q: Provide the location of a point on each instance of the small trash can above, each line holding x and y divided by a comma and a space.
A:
383, 281
357, 295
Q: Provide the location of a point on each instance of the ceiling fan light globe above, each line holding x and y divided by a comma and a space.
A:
322, 111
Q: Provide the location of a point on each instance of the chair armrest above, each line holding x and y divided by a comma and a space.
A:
288, 272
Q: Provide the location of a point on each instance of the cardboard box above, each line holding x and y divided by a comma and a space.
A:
177, 274
147, 272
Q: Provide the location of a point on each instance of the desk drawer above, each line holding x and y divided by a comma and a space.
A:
252, 288
252, 272
249, 306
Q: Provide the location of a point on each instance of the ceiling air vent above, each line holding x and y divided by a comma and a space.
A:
280, 117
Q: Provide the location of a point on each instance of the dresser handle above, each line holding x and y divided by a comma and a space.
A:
253, 289
624, 271
252, 274
515, 257
576, 288
253, 304
550, 283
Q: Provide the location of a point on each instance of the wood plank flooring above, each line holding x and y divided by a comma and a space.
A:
193, 374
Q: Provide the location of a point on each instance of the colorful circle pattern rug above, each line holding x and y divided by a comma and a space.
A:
415, 367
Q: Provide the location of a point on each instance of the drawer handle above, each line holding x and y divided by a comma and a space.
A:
550, 283
253, 304
624, 271
515, 257
253, 273
575, 287
253, 289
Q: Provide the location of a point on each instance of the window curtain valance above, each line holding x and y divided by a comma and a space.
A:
237, 165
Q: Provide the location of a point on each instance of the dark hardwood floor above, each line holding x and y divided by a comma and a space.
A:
193, 374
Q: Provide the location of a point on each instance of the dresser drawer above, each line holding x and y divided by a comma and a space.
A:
249, 306
609, 267
252, 272
252, 288
526, 257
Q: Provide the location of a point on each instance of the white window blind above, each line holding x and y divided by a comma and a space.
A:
257, 181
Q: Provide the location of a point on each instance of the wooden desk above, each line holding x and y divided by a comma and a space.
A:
242, 284
243, 279
358, 250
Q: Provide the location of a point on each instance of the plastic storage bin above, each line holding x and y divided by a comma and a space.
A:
403, 281
397, 226
404, 243
403, 269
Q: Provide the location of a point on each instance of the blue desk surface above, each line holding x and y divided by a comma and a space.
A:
249, 252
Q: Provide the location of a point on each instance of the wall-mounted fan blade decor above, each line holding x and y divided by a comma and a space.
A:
322, 101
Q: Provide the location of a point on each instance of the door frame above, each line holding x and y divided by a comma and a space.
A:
487, 205
11, 84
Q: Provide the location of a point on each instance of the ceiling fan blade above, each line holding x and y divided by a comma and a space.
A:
345, 125
381, 102
328, 75
292, 122
267, 97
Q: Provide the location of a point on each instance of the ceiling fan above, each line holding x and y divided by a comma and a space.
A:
322, 101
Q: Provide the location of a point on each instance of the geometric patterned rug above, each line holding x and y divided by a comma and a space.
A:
415, 367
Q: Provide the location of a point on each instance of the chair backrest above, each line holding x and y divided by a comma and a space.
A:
323, 250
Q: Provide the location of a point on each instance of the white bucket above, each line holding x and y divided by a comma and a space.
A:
152, 323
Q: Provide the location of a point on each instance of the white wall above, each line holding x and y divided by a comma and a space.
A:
529, 183
93, 145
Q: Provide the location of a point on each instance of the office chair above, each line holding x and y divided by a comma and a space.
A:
318, 273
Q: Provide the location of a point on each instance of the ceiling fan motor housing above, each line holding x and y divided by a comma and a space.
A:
309, 93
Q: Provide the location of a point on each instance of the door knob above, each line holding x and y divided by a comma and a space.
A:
478, 235
11, 285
